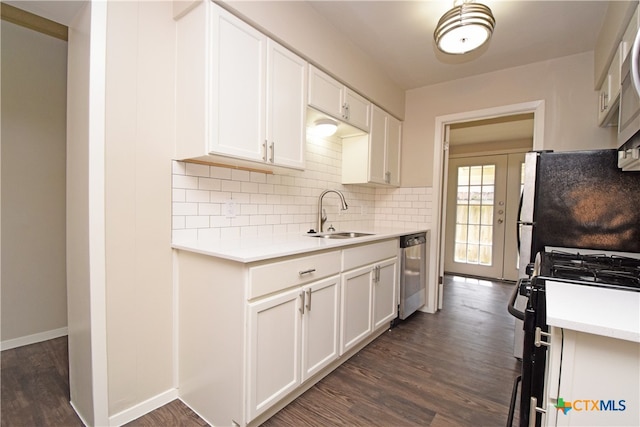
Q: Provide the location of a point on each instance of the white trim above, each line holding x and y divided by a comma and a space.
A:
79, 414
176, 319
97, 228
437, 237
33, 338
143, 408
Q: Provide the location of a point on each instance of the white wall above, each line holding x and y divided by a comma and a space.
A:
85, 284
34, 296
139, 138
565, 84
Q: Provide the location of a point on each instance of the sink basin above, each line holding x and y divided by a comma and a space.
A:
341, 235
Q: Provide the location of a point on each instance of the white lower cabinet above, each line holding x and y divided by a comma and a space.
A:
292, 336
274, 350
254, 336
596, 378
368, 301
385, 299
320, 326
357, 296
369, 293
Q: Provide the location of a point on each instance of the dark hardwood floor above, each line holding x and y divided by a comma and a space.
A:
454, 368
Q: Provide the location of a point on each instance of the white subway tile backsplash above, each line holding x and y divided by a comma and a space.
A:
185, 208
182, 181
220, 173
209, 209
195, 169
178, 168
210, 184
240, 175
197, 222
179, 195
197, 196
286, 201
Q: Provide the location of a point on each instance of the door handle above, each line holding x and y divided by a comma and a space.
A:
534, 410
500, 220
308, 299
301, 303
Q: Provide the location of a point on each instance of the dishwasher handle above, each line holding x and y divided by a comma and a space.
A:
413, 240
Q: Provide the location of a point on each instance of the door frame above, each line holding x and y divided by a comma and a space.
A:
440, 170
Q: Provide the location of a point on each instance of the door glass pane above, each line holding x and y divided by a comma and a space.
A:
474, 214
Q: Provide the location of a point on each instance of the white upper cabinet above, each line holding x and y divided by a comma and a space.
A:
237, 115
374, 158
328, 95
286, 111
238, 94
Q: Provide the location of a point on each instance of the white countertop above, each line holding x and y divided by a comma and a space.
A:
600, 311
251, 249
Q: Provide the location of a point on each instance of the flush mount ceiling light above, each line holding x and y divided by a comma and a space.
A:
464, 28
325, 127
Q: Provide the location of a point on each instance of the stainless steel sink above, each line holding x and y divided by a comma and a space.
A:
341, 235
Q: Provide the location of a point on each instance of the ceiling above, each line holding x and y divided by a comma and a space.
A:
398, 35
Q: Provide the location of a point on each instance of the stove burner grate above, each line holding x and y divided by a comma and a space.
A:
615, 270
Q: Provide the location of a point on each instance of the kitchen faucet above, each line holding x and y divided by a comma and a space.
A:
322, 216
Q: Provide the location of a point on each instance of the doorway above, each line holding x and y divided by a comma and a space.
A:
482, 203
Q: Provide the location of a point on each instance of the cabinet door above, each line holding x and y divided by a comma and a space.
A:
274, 349
356, 313
320, 325
326, 94
286, 106
237, 87
377, 137
357, 110
385, 300
392, 151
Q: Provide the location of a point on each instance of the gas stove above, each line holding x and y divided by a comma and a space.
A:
605, 269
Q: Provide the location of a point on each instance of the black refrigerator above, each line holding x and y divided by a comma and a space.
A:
575, 199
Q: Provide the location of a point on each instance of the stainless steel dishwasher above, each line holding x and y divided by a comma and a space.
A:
413, 273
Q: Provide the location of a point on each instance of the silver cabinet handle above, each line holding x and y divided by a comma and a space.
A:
264, 150
303, 272
273, 151
309, 299
534, 410
538, 338
301, 303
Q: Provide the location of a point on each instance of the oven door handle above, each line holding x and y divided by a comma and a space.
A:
511, 306
512, 404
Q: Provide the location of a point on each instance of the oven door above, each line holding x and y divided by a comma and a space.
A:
534, 356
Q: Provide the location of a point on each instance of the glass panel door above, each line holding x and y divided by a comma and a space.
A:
475, 216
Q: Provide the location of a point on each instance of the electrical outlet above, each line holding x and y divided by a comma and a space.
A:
230, 209
363, 210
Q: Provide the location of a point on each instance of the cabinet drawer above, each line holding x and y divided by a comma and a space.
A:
273, 277
367, 254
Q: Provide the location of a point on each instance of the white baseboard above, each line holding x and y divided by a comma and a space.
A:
32, 339
143, 408
84, 422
